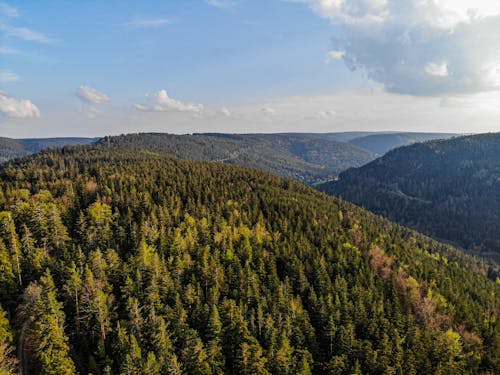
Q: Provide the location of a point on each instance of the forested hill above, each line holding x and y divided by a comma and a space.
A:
130, 262
448, 189
303, 158
14, 148
382, 143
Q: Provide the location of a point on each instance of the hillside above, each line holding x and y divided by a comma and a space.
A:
309, 158
11, 148
338, 136
300, 157
382, 143
448, 189
121, 261
38, 144
14, 148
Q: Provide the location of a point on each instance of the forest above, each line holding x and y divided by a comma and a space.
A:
448, 189
381, 143
118, 260
13, 148
306, 158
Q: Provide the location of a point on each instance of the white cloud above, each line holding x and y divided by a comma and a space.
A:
444, 14
9, 51
25, 34
17, 108
162, 102
93, 112
268, 111
482, 102
491, 74
8, 10
437, 69
335, 55
323, 115
350, 11
403, 44
143, 23
90, 95
221, 4
8, 76
224, 112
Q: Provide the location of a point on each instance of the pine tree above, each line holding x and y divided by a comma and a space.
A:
8, 285
45, 322
214, 348
96, 305
194, 357
73, 289
8, 233
132, 363
283, 360
151, 366
243, 353
162, 345
8, 361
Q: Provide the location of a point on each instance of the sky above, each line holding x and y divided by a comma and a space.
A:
95, 68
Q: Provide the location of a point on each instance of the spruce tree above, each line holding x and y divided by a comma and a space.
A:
45, 322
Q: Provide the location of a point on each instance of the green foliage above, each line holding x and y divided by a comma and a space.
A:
447, 189
307, 158
382, 143
14, 148
8, 362
147, 264
45, 341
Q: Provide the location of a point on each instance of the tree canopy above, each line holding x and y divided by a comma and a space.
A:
128, 261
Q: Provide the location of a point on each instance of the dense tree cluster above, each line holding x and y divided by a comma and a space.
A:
382, 143
11, 148
15, 148
129, 262
447, 189
307, 158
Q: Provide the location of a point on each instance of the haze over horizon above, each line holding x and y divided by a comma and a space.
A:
240, 66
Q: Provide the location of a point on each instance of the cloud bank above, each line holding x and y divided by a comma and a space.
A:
17, 108
419, 47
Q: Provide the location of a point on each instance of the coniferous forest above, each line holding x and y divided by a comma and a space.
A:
117, 261
448, 189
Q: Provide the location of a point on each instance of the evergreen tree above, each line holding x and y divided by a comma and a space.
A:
8, 361
167, 266
45, 324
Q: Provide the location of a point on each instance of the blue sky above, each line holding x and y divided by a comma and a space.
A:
249, 51
108, 67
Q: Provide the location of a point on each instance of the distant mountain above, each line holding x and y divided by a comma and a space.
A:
13, 148
305, 158
39, 144
449, 189
382, 143
339, 137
